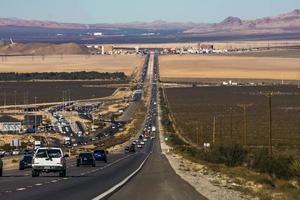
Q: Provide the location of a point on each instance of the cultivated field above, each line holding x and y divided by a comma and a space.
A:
46, 92
195, 108
235, 67
70, 63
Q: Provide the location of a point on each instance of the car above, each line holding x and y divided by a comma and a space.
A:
16, 153
145, 140
139, 146
100, 155
25, 162
142, 142
2, 153
1, 165
86, 159
49, 160
130, 149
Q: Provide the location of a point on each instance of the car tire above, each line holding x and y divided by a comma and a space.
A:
1, 172
94, 165
105, 160
21, 168
78, 165
63, 173
35, 173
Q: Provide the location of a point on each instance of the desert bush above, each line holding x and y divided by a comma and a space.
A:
295, 168
231, 155
278, 166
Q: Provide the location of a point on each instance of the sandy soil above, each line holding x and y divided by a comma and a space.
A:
68, 63
199, 66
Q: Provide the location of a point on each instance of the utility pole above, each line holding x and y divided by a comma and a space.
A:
214, 131
221, 128
269, 95
231, 135
197, 132
35, 115
15, 93
4, 102
245, 106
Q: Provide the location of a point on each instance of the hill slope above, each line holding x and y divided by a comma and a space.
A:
42, 49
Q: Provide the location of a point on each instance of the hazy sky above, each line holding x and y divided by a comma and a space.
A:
98, 11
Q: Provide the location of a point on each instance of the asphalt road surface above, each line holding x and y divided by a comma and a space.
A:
145, 174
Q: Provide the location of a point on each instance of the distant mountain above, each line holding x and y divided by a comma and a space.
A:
39, 23
283, 23
159, 24
42, 49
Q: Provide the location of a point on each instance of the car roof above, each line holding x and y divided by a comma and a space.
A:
102, 150
49, 148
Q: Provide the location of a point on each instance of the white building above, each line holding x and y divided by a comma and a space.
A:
10, 124
97, 34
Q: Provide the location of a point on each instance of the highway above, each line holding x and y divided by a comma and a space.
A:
145, 174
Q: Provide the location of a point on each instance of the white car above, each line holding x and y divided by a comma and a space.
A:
49, 160
139, 146
15, 153
142, 142
145, 140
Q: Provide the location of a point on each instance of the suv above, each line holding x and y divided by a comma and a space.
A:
49, 160
100, 155
86, 159
25, 162
1, 165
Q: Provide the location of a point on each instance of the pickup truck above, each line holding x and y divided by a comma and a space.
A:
49, 160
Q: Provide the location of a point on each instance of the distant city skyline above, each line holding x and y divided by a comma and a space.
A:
122, 11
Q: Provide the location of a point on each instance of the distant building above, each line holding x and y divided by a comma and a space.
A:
98, 34
10, 124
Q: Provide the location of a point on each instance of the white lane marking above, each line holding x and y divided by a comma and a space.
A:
38, 184
21, 189
123, 182
54, 181
8, 191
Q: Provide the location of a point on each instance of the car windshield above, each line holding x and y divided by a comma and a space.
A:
99, 152
85, 155
45, 153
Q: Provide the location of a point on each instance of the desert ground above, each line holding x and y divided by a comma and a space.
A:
236, 67
68, 63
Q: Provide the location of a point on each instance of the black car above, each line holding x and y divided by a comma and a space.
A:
100, 155
25, 162
86, 159
130, 149
1, 165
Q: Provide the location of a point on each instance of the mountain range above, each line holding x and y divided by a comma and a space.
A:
283, 23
